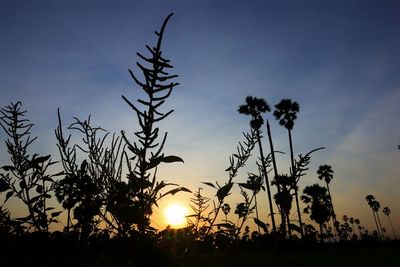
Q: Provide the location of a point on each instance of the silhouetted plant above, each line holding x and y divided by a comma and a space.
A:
318, 205
387, 212
87, 188
236, 161
275, 168
255, 184
375, 206
283, 198
148, 153
198, 220
26, 178
299, 170
325, 173
226, 209
286, 113
255, 107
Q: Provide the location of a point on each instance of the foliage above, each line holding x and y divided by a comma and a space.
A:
147, 151
318, 204
27, 177
236, 161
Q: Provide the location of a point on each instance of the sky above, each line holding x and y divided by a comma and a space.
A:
339, 60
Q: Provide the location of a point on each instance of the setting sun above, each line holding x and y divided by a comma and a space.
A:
175, 215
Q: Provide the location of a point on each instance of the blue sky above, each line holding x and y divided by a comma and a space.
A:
339, 59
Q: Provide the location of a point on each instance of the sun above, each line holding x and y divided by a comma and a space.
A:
175, 215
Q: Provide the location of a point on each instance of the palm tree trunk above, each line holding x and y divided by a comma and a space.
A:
296, 189
333, 212
266, 180
271, 145
380, 225
376, 223
394, 232
288, 225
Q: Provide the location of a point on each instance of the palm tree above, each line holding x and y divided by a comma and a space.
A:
357, 222
325, 173
255, 107
286, 113
376, 207
387, 212
371, 202
283, 198
318, 205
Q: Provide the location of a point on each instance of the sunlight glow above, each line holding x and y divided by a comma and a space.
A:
175, 215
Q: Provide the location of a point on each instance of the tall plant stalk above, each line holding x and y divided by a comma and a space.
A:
148, 153
255, 107
271, 145
286, 113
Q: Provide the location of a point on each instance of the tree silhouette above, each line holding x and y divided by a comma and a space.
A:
325, 173
318, 205
387, 212
374, 205
254, 107
286, 113
283, 198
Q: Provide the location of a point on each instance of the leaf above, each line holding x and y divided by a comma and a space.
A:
261, 224
55, 214
4, 186
154, 163
47, 179
209, 184
295, 227
83, 166
170, 159
8, 168
34, 199
39, 160
24, 219
224, 225
176, 190
184, 189
224, 191
39, 189
22, 184
251, 187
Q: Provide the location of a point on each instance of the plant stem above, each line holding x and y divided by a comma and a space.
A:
266, 180
295, 189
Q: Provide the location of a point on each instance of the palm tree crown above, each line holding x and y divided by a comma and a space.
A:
370, 199
325, 172
254, 107
286, 113
318, 203
386, 211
